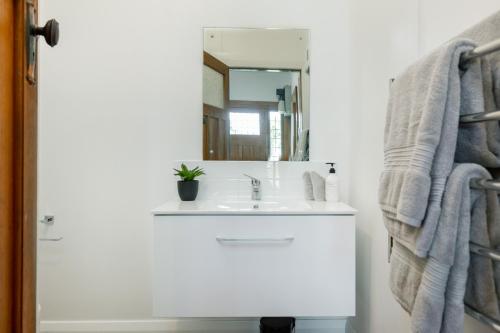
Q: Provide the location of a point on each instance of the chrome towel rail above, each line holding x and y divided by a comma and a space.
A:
485, 184
484, 251
493, 323
494, 185
493, 255
478, 117
480, 51
466, 58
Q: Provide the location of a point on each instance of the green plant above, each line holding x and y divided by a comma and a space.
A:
188, 175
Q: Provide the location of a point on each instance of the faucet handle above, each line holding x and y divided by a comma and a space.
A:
255, 181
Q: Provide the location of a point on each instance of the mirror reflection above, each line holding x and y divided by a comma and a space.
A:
256, 94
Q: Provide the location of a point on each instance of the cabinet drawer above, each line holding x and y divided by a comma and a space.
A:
226, 266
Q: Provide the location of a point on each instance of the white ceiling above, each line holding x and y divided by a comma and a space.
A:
267, 48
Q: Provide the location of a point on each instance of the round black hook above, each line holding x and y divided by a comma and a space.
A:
50, 32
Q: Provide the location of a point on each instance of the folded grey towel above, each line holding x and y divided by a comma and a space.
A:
308, 186
318, 183
419, 144
432, 271
433, 289
480, 142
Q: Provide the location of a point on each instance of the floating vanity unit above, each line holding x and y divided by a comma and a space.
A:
253, 259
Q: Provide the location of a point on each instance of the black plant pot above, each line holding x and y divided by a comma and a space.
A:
188, 190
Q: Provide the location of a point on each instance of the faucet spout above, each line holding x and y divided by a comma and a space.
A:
256, 188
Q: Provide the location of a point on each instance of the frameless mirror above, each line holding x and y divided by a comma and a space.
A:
256, 94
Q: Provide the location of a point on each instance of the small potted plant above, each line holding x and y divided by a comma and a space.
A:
188, 185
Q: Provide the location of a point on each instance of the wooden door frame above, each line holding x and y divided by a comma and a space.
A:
220, 67
18, 171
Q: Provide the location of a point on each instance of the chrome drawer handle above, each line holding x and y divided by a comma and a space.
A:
50, 239
287, 239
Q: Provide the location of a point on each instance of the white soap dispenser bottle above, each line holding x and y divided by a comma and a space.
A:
332, 185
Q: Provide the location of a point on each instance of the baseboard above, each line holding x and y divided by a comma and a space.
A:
337, 325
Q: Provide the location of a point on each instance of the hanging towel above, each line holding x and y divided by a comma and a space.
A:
480, 142
419, 144
432, 289
483, 284
318, 185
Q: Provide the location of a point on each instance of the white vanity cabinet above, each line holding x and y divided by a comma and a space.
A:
238, 265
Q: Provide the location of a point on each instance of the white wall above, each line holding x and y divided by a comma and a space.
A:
387, 36
384, 41
459, 14
120, 98
434, 30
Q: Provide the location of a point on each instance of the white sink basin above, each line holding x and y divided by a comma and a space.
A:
248, 205
260, 207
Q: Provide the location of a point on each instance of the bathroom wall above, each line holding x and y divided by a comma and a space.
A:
384, 41
120, 98
388, 35
433, 31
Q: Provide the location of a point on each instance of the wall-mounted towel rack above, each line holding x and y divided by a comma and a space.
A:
479, 117
484, 251
479, 51
485, 184
494, 324
493, 255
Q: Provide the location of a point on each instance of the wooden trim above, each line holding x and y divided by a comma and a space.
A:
7, 225
25, 148
207, 108
18, 139
218, 66
214, 63
252, 105
266, 68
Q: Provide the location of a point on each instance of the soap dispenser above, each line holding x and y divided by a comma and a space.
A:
332, 185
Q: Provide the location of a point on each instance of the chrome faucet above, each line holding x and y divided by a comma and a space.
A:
256, 190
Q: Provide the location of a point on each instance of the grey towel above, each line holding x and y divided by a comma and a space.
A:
308, 186
318, 183
480, 142
432, 271
419, 145
483, 284
433, 289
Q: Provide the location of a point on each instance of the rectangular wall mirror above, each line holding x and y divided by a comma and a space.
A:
256, 94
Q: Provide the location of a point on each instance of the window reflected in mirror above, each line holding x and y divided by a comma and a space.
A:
256, 94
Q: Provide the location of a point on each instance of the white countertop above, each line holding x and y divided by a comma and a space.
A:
249, 207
